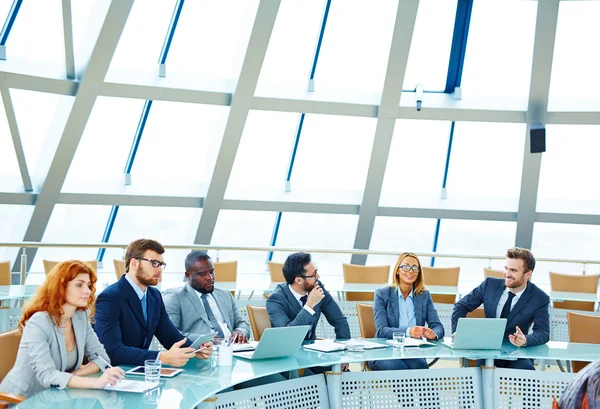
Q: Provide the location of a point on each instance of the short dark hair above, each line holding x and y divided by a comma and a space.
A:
137, 248
522, 254
294, 266
194, 257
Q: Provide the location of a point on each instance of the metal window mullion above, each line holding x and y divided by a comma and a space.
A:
16, 138
68, 37
8, 25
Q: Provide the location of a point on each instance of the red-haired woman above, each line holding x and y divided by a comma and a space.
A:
57, 333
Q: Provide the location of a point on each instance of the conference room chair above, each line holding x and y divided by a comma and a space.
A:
576, 284
276, 274
584, 329
119, 268
354, 274
259, 320
49, 265
5, 273
488, 272
9, 345
226, 271
366, 323
442, 276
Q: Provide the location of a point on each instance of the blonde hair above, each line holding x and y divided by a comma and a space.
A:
418, 285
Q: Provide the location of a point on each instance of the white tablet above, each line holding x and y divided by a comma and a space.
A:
202, 339
164, 372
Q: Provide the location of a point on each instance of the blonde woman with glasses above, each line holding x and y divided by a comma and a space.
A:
405, 306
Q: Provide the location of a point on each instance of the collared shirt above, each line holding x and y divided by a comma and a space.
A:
503, 299
216, 312
140, 294
298, 296
406, 311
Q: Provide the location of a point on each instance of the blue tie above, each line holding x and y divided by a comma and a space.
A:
143, 300
213, 321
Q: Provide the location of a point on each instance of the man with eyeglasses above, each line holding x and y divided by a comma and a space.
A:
130, 312
199, 308
302, 299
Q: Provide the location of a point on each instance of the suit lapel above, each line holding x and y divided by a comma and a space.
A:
291, 299
496, 293
395, 307
191, 295
79, 331
62, 347
133, 300
523, 299
222, 304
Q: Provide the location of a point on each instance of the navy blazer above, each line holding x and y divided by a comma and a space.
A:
121, 327
386, 312
284, 310
532, 307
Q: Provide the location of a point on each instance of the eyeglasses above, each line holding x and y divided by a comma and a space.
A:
155, 263
312, 276
407, 268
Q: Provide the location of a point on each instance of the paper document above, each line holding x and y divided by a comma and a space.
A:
411, 342
365, 344
132, 386
325, 346
249, 346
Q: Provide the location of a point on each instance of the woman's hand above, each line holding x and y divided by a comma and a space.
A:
110, 377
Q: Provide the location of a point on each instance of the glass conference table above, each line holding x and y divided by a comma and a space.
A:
200, 382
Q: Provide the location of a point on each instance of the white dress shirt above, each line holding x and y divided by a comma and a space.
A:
298, 296
216, 312
503, 299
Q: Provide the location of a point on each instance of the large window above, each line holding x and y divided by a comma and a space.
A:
14, 220
9, 167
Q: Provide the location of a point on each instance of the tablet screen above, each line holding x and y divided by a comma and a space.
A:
166, 372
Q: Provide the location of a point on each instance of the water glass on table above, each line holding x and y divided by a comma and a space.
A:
398, 338
215, 353
152, 370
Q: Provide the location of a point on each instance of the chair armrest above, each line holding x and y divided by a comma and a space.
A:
11, 397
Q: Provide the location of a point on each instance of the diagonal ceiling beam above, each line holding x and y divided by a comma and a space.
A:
387, 114
68, 36
110, 26
241, 103
543, 52
16, 138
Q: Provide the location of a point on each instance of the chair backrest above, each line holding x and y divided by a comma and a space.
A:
444, 276
9, 345
276, 272
49, 265
226, 271
5, 273
576, 284
119, 268
366, 320
488, 272
476, 313
585, 329
354, 274
259, 320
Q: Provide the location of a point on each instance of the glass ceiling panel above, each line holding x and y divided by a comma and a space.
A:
570, 161
244, 228
263, 156
500, 49
292, 47
10, 177
575, 67
318, 231
144, 34
430, 49
418, 152
5, 7
400, 234
356, 45
486, 162
43, 17
212, 37
167, 225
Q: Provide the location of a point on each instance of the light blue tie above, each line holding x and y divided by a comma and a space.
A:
143, 300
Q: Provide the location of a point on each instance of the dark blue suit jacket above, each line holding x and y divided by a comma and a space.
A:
121, 327
284, 310
532, 307
386, 311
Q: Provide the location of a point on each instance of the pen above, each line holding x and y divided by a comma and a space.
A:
232, 340
200, 349
107, 364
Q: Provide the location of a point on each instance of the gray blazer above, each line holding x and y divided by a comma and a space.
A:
42, 356
385, 310
187, 311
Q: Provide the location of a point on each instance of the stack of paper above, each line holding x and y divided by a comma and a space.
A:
132, 386
325, 346
248, 346
365, 344
411, 342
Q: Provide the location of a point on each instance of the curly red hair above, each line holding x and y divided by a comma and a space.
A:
50, 296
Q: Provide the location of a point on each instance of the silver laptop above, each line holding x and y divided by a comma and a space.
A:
477, 333
277, 342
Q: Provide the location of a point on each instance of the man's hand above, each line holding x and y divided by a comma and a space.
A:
206, 352
240, 339
416, 331
429, 333
177, 356
315, 296
345, 367
518, 338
